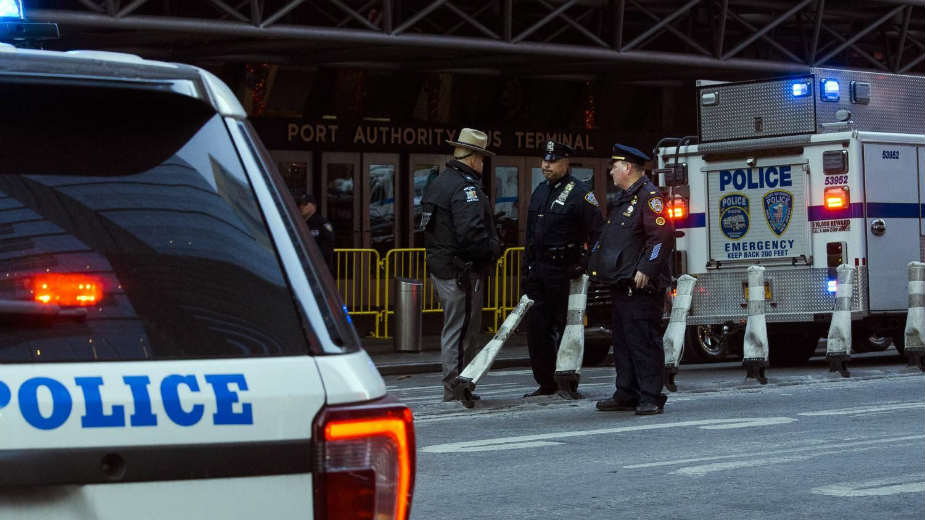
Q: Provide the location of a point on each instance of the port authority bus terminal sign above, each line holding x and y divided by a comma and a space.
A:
285, 134
757, 213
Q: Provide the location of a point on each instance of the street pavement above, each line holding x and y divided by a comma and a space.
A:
809, 444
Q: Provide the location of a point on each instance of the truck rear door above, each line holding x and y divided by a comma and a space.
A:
892, 213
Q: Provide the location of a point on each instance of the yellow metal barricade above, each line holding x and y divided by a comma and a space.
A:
356, 272
507, 286
406, 263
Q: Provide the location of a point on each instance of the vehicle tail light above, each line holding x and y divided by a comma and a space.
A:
365, 461
67, 289
836, 197
677, 209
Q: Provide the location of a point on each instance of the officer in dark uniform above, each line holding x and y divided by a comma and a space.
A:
563, 217
633, 256
461, 243
320, 228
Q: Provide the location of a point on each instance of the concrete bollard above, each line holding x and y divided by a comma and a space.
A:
464, 384
914, 334
673, 339
572, 346
838, 345
756, 328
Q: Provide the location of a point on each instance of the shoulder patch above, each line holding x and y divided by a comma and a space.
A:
590, 199
660, 221
472, 195
656, 205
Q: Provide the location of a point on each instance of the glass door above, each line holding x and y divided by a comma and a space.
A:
424, 168
296, 169
506, 198
340, 178
594, 172
380, 177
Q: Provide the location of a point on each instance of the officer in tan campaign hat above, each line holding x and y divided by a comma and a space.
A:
461, 242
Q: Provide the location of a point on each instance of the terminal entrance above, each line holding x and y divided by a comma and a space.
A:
373, 200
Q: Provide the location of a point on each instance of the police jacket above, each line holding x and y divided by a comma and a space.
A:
323, 232
562, 218
638, 236
457, 223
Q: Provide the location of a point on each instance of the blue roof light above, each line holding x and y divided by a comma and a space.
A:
800, 89
832, 286
11, 9
829, 90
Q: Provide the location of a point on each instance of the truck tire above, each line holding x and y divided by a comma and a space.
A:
792, 347
866, 340
706, 344
596, 351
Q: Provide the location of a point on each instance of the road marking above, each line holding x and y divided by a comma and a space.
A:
529, 441
862, 410
871, 442
908, 483
701, 470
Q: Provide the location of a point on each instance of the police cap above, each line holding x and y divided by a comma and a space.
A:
629, 154
305, 198
556, 151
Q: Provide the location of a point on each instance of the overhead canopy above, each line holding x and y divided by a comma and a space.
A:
643, 39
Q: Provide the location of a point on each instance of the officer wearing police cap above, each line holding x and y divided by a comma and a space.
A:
563, 217
633, 257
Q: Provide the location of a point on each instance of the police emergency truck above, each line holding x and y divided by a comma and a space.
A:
171, 345
800, 175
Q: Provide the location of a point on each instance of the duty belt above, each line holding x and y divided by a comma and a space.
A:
560, 255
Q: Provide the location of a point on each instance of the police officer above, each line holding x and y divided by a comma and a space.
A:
319, 227
563, 217
633, 253
461, 243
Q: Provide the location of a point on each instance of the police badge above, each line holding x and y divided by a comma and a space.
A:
550, 147
734, 215
778, 208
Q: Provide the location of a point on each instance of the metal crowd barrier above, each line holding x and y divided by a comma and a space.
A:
407, 263
356, 272
366, 283
507, 287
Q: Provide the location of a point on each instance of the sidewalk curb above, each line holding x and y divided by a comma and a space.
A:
400, 369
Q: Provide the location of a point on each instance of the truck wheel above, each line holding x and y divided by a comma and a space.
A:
706, 344
866, 340
792, 348
596, 351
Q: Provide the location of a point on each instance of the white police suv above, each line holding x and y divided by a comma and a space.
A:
171, 345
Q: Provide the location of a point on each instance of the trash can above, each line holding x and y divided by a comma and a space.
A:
409, 310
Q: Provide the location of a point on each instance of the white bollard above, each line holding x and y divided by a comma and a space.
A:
914, 334
572, 346
673, 339
838, 345
465, 383
756, 328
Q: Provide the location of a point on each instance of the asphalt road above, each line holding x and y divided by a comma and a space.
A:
810, 444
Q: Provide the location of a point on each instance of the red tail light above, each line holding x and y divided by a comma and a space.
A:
836, 197
677, 209
67, 289
365, 461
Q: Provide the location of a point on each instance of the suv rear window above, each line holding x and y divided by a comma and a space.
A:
129, 231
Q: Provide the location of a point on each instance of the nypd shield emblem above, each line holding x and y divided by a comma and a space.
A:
734, 215
778, 208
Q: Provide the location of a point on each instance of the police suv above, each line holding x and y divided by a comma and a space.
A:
800, 175
171, 345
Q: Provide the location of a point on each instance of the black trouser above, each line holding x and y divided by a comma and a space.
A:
638, 354
547, 285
